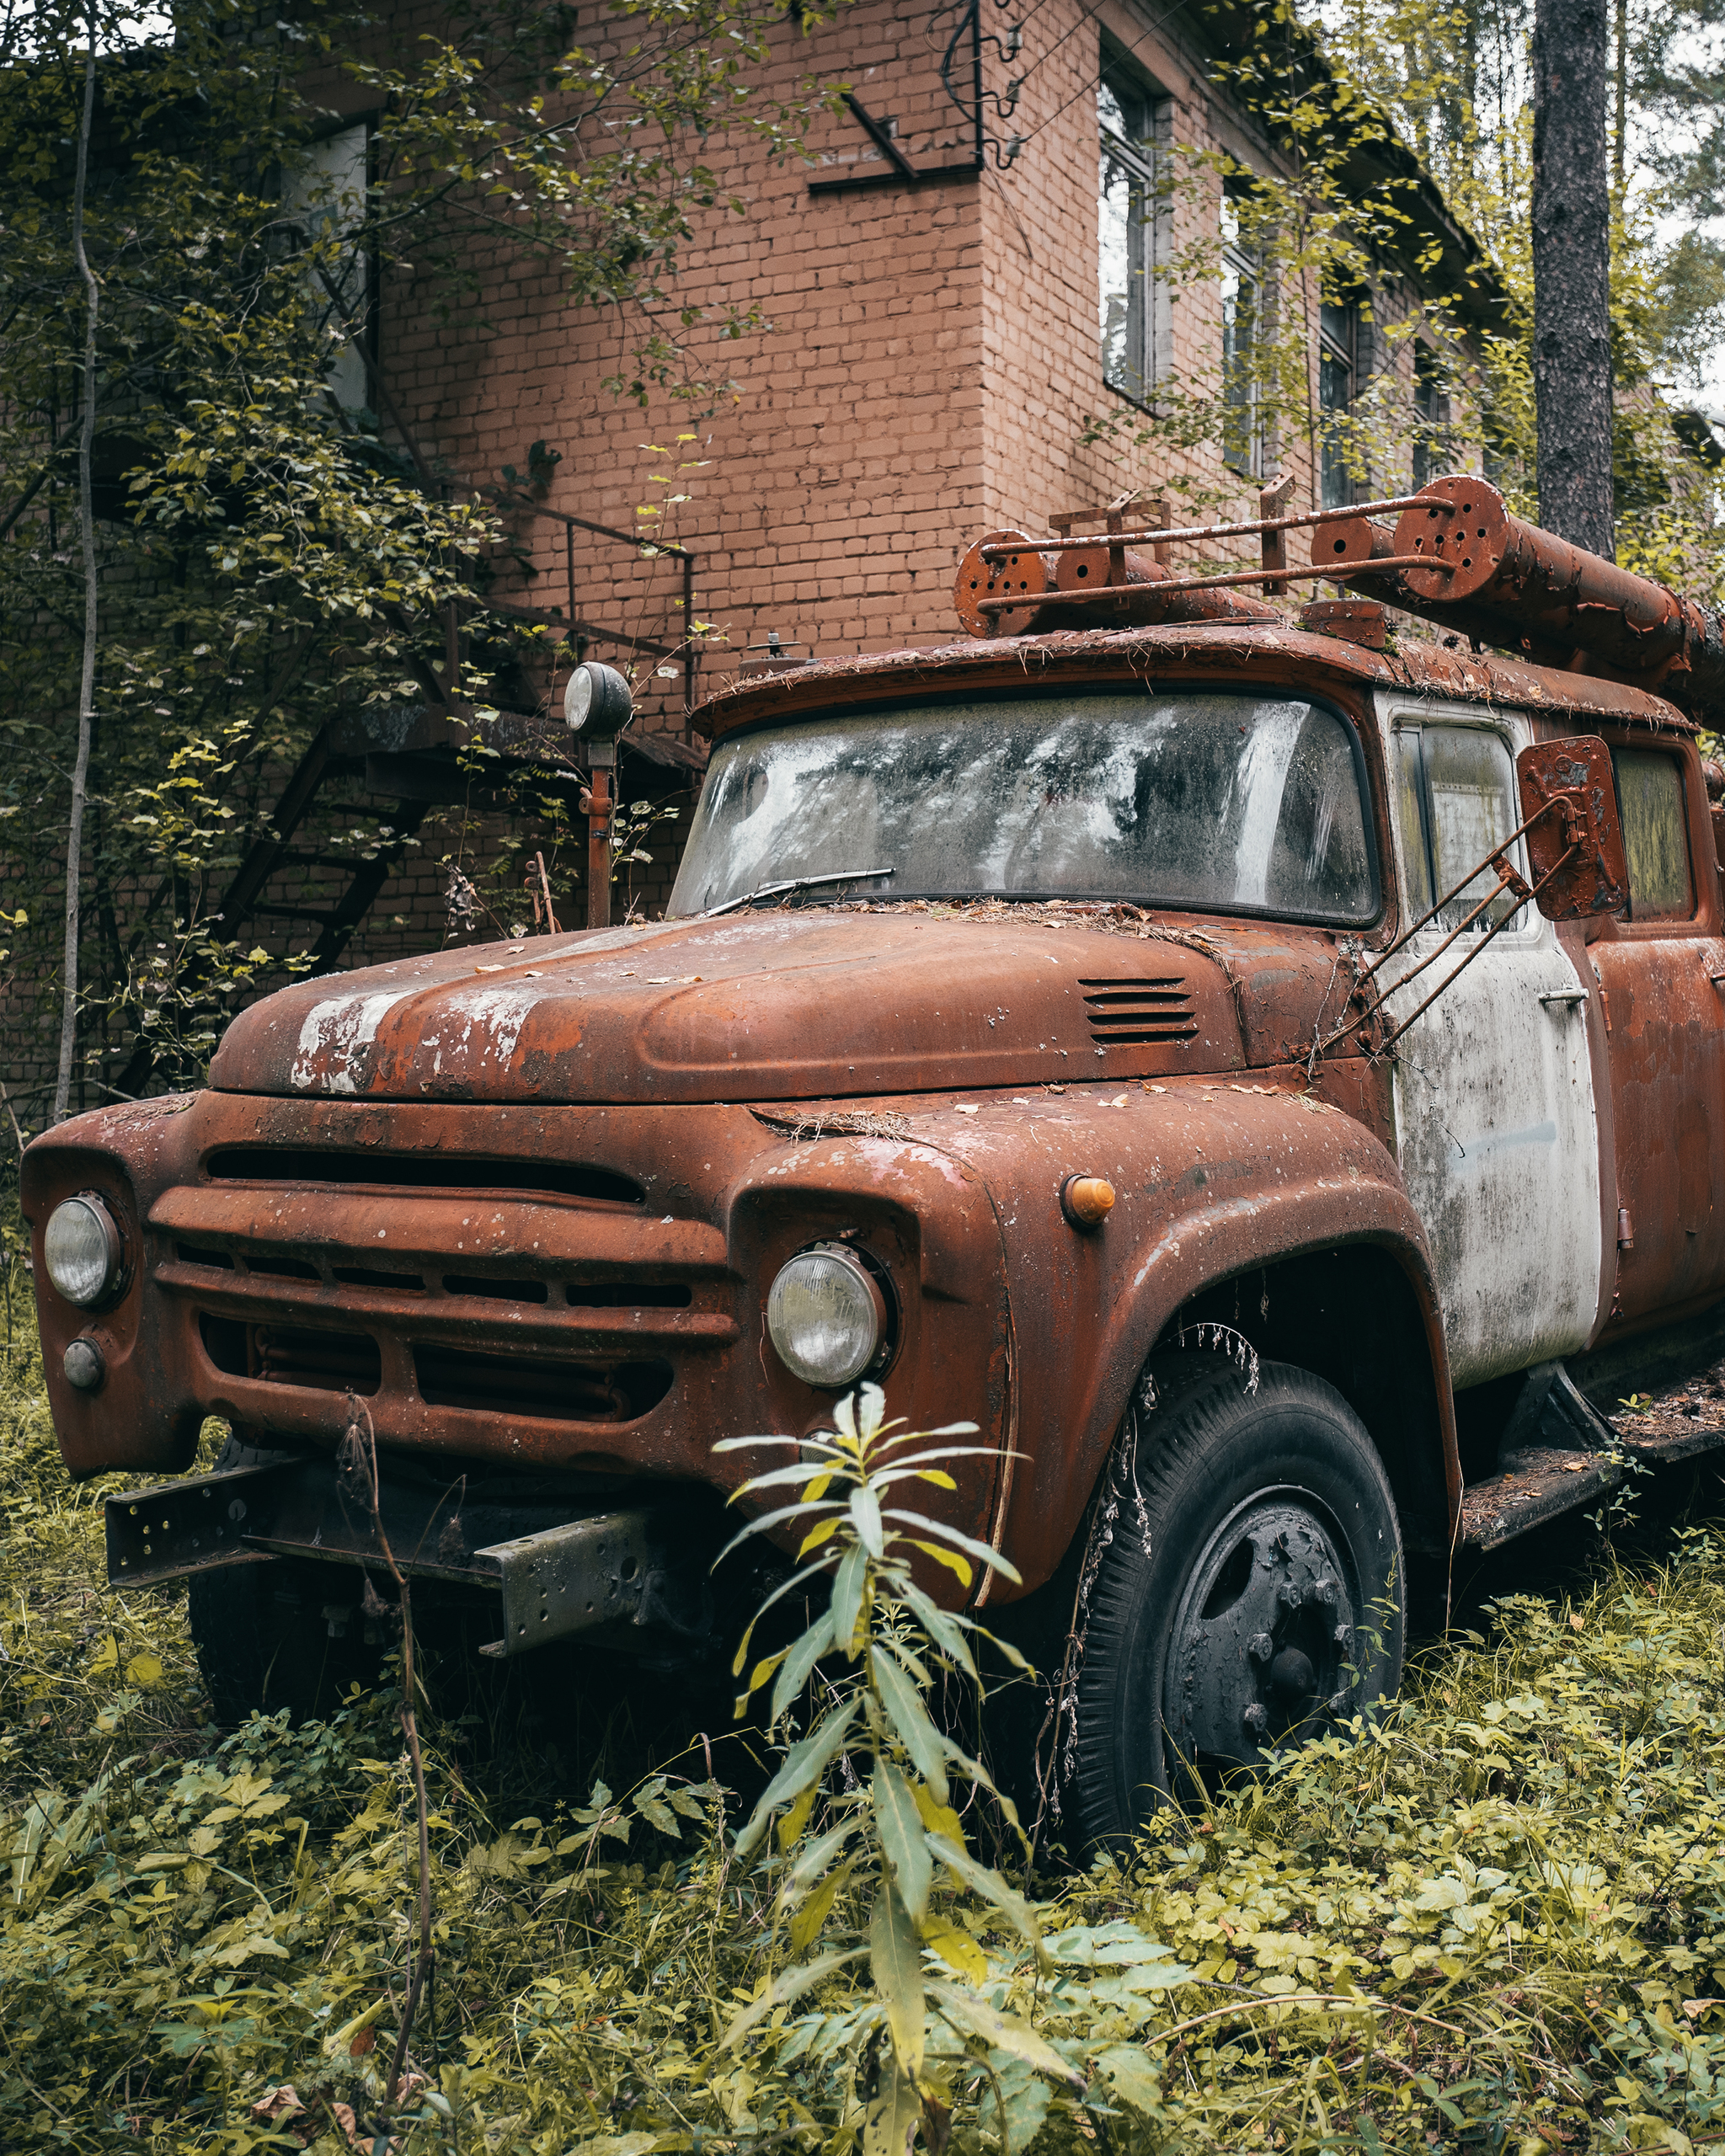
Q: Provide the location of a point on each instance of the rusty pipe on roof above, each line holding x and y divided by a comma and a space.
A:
1007, 585
1346, 547
1535, 586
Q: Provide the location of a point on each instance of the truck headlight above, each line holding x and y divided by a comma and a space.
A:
826, 1316
81, 1250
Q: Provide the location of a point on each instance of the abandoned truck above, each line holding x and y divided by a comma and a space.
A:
1251, 1070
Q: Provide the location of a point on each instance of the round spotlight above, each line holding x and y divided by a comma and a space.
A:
826, 1316
597, 702
83, 1251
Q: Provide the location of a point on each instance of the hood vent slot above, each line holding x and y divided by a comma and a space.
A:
1140, 1013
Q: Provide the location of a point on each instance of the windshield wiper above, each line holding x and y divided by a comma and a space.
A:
794, 883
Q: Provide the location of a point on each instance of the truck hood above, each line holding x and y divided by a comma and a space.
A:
783, 1005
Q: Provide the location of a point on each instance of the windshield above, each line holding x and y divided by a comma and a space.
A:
1215, 803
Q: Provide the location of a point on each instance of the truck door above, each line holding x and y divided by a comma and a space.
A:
1660, 972
1495, 1124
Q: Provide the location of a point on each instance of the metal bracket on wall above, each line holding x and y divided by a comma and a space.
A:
903, 173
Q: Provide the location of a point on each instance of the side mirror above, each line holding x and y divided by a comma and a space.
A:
1574, 838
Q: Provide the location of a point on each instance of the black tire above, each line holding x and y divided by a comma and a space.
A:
263, 1639
1268, 1608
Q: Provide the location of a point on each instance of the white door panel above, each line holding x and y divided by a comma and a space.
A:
1496, 1132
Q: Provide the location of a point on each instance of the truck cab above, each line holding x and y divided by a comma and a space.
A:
1042, 1029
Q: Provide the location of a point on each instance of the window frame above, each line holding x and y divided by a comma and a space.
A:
1353, 730
1419, 720
1245, 265
1431, 409
1149, 323
1667, 923
1337, 348
365, 342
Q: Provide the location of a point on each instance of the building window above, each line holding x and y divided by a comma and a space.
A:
1242, 309
1430, 413
1339, 337
327, 194
1131, 228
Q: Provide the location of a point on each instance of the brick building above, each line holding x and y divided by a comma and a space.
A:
946, 330
1014, 245
963, 297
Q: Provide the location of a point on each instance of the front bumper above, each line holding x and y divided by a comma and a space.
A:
576, 1290
632, 1568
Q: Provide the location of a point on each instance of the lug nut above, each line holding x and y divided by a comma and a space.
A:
1257, 1720
1326, 1591
1260, 1646
1338, 1703
1290, 1596
1341, 1635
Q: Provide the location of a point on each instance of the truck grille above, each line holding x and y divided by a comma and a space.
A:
558, 1306
1131, 1013
295, 1167
543, 1391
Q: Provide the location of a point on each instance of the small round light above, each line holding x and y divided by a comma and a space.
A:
82, 1251
83, 1366
825, 1317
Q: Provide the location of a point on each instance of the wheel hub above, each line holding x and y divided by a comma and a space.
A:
1265, 1623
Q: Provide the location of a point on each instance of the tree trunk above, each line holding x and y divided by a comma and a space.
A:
1571, 263
87, 528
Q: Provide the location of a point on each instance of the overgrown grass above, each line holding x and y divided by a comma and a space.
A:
1497, 1921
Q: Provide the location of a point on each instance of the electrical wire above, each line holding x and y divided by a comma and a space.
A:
1166, 15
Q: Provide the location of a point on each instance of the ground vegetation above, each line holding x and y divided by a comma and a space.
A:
1493, 1919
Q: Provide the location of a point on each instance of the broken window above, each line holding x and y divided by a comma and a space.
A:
1655, 835
1430, 413
1136, 326
1242, 308
1338, 339
1218, 802
326, 197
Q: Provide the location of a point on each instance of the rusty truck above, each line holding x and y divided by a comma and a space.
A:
1257, 1064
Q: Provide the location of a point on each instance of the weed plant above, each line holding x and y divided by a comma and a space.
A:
1493, 1921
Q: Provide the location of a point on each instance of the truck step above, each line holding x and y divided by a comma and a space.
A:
1530, 1487
1678, 1421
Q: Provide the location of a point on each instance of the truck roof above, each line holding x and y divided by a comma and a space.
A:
1255, 653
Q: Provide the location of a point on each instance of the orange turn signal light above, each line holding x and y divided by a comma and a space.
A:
1087, 1201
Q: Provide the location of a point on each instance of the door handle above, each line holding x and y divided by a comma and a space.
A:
1568, 997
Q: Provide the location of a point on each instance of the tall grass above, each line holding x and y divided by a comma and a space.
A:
1495, 1921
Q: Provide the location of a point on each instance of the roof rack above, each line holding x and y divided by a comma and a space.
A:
1457, 556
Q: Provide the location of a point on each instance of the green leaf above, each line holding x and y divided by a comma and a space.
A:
980, 1552
814, 1860
1027, 2098
946, 1630
790, 1985
980, 1879
895, 1962
950, 1558
900, 1826
1004, 2032
768, 1520
1128, 2070
804, 1765
908, 1716
805, 1925
847, 1586
865, 1518
798, 1664
894, 2114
